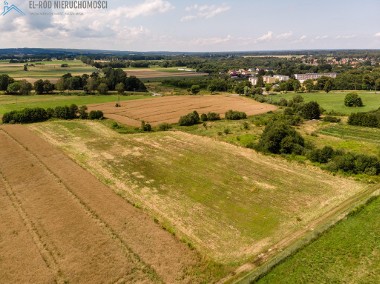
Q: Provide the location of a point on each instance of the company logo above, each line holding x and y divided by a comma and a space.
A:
12, 8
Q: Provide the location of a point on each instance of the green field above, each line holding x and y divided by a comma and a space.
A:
9, 103
230, 203
348, 253
334, 101
51, 70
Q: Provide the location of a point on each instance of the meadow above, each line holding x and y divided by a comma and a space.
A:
9, 103
50, 70
348, 253
231, 204
334, 101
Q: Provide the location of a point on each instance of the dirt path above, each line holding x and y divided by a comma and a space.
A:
84, 231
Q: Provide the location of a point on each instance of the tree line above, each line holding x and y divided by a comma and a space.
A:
109, 80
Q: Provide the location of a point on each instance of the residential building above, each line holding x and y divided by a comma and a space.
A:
313, 76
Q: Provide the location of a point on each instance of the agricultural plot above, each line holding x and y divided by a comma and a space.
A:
50, 70
148, 73
334, 101
348, 253
170, 109
230, 203
60, 224
9, 103
361, 140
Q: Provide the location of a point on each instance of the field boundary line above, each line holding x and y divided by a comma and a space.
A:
128, 252
308, 235
43, 247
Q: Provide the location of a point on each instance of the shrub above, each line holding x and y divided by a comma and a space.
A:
331, 119
310, 110
321, 155
146, 126
355, 164
204, 117
235, 115
364, 119
189, 119
66, 112
212, 116
353, 100
279, 137
164, 126
95, 114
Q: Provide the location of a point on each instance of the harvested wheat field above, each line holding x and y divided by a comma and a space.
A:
232, 204
58, 223
170, 109
153, 74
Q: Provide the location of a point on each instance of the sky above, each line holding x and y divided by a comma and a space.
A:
200, 25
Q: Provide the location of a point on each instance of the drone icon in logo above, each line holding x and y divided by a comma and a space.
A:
8, 9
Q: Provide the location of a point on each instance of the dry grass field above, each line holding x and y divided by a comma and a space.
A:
230, 203
170, 109
58, 223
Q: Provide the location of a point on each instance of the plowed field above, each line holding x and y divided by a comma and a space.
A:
170, 109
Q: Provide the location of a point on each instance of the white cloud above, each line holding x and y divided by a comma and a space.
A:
267, 37
284, 35
204, 11
377, 35
212, 40
147, 8
345, 36
321, 37
303, 37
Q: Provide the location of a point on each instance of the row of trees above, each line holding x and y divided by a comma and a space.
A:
111, 80
30, 115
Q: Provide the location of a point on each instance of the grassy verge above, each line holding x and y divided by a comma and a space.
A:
347, 253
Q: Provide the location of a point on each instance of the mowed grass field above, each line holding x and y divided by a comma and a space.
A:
334, 101
348, 253
170, 109
9, 103
50, 70
230, 203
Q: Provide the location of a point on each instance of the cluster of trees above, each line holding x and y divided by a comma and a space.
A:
111, 80
279, 137
211, 116
235, 115
346, 162
30, 115
366, 119
194, 118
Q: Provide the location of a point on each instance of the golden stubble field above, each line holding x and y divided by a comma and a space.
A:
170, 109
58, 223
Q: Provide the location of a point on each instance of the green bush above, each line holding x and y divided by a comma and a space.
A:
95, 114
280, 138
331, 119
212, 116
353, 100
235, 115
164, 126
189, 119
364, 119
310, 110
204, 117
